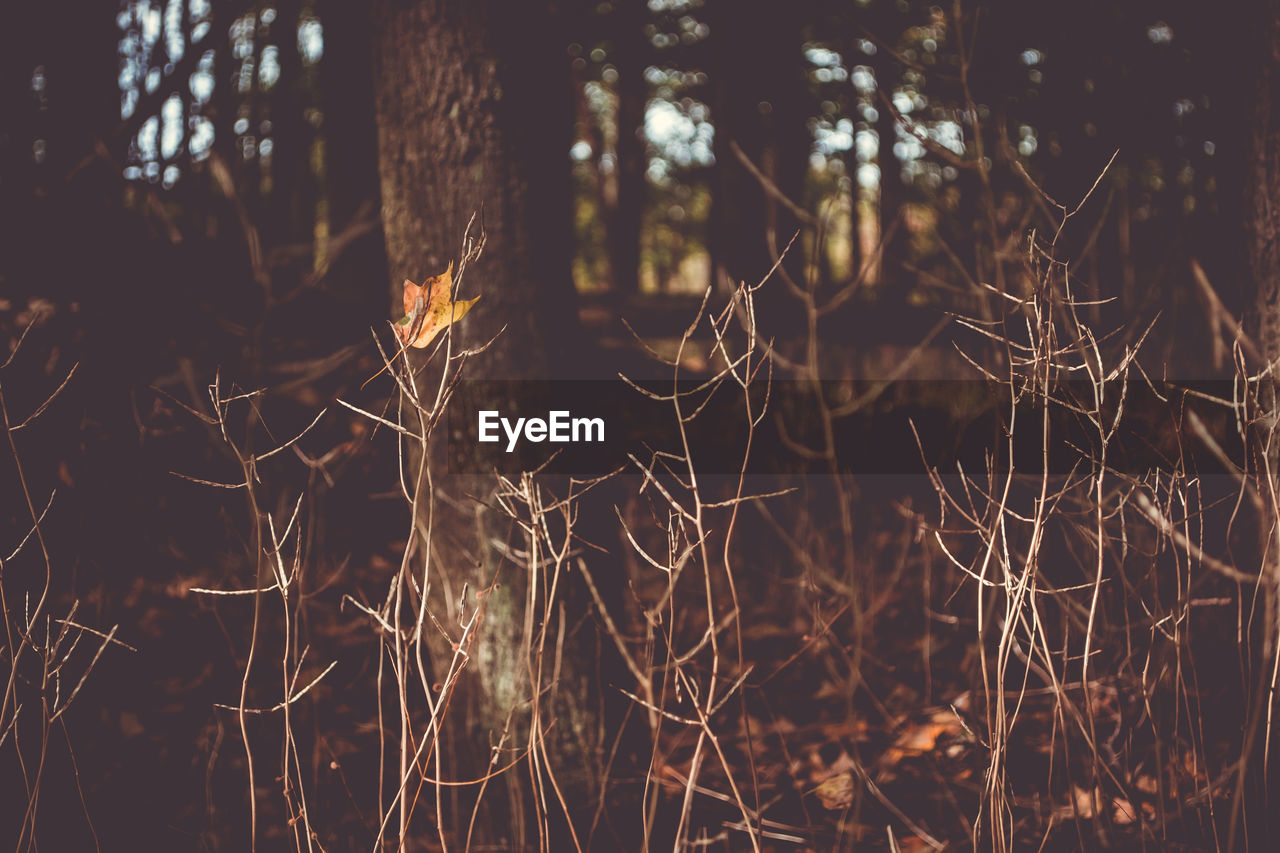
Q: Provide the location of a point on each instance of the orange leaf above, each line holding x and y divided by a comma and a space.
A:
429, 309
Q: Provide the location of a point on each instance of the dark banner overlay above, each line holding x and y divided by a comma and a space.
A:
591, 428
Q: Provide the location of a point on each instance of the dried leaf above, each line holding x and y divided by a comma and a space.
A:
921, 738
836, 792
1122, 813
429, 309
1084, 805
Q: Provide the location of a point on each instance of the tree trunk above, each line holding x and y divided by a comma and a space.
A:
1264, 189
1263, 227
474, 114
350, 139
290, 197
474, 111
889, 200
886, 22
629, 55
761, 97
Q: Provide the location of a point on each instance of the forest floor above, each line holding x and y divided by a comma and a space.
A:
857, 726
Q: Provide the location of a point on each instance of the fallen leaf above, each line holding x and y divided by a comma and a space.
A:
1122, 813
429, 309
1084, 805
1146, 784
920, 738
836, 792
130, 725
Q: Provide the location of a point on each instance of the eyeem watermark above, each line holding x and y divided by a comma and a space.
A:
927, 425
558, 427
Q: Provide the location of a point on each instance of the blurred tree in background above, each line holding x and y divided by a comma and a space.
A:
864, 107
